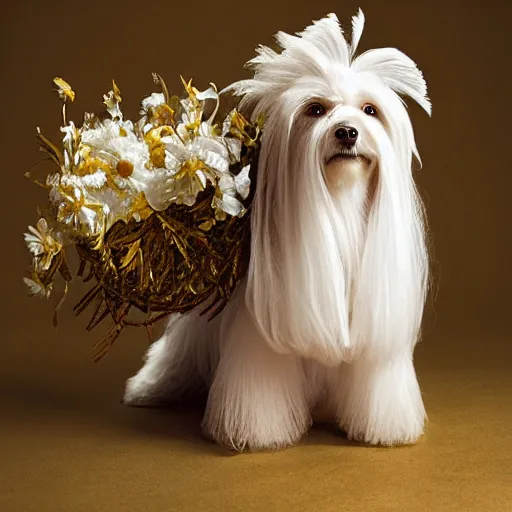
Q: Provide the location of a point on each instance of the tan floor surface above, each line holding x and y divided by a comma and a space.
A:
66, 443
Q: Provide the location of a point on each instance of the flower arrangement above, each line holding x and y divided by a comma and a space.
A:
158, 209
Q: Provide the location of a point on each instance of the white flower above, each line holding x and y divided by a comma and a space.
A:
212, 152
97, 179
194, 158
110, 150
75, 205
190, 119
115, 207
156, 191
209, 94
190, 166
37, 287
106, 131
226, 201
130, 149
156, 99
42, 244
35, 239
243, 182
116, 142
209, 150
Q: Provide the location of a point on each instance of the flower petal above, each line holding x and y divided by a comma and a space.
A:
37, 288
243, 182
209, 94
156, 99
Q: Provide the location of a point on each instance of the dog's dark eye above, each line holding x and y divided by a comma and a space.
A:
315, 110
369, 110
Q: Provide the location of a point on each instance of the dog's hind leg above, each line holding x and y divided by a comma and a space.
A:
179, 364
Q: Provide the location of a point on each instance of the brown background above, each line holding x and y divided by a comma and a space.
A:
66, 443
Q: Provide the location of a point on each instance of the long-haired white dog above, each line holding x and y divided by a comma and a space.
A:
330, 311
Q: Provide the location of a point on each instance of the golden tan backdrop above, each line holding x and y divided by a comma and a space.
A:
68, 444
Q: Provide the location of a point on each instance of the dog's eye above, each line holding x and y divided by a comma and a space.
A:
315, 110
370, 110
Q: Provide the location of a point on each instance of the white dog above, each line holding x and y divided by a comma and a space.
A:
330, 311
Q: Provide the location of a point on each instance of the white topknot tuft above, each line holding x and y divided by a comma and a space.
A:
316, 51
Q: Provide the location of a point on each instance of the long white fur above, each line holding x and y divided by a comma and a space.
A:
331, 308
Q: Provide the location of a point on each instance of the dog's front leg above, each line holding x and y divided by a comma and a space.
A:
258, 399
380, 400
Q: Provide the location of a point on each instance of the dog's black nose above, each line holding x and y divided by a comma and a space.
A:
347, 135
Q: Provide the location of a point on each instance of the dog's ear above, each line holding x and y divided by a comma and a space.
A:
397, 71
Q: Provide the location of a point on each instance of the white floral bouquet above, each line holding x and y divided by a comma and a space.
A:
157, 209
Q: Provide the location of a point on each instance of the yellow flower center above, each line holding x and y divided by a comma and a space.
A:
124, 168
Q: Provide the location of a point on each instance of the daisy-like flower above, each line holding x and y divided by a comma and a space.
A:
103, 132
78, 201
37, 287
187, 155
188, 168
77, 208
42, 244
195, 153
205, 158
122, 151
105, 174
131, 159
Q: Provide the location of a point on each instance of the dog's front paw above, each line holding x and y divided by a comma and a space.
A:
390, 435
382, 403
384, 423
265, 435
269, 413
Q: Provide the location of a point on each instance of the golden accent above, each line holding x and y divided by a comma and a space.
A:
64, 89
159, 261
124, 168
